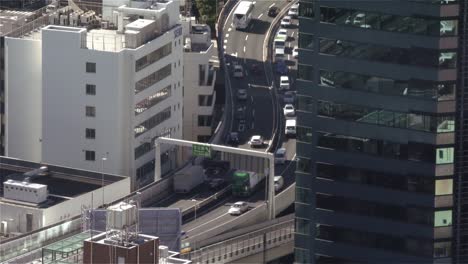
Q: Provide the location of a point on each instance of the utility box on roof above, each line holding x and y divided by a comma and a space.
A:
25, 191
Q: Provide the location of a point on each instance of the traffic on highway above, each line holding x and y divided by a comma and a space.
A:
260, 85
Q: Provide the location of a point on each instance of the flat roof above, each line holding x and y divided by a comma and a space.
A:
63, 183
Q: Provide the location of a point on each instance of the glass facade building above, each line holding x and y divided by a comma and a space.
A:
380, 116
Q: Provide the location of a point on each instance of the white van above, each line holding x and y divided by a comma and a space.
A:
279, 54
280, 156
290, 128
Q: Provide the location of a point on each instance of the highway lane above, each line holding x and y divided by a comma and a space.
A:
246, 48
220, 216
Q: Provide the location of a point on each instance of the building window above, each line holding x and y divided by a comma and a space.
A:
302, 226
153, 57
305, 72
301, 255
201, 74
303, 164
303, 195
152, 100
306, 10
90, 155
304, 134
204, 120
90, 111
305, 103
90, 89
153, 78
90, 133
153, 121
442, 249
205, 100
444, 155
443, 218
90, 67
430, 122
444, 187
306, 41
429, 90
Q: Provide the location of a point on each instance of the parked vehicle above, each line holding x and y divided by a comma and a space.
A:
279, 54
282, 33
240, 113
279, 183
244, 183
238, 208
188, 178
281, 67
290, 128
280, 156
255, 69
256, 141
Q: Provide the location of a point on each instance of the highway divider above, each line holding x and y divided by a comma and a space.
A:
200, 207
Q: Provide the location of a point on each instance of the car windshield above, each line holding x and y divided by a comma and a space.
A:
289, 107
236, 206
286, 19
279, 155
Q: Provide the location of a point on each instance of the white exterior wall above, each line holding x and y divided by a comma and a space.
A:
175, 101
23, 92
15, 214
65, 100
192, 90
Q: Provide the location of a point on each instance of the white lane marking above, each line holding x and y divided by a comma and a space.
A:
224, 47
253, 112
227, 35
225, 41
289, 57
234, 54
254, 2
253, 125
251, 99
246, 74
272, 5
229, 29
289, 44
246, 37
260, 16
244, 49
292, 35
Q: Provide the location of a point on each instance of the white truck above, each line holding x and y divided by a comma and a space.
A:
188, 178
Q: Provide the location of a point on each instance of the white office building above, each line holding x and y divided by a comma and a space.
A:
200, 59
97, 99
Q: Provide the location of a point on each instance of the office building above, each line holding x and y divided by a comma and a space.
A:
376, 173
200, 57
97, 93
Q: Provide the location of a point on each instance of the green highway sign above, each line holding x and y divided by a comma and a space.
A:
201, 150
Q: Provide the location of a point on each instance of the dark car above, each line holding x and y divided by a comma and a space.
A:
216, 183
281, 67
233, 138
273, 11
240, 113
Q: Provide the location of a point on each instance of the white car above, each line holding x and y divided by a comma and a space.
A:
295, 52
284, 82
289, 110
238, 71
286, 21
238, 208
294, 10
359, 19
282, 32
278, 183
256, 141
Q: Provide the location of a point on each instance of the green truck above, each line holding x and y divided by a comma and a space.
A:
244, 183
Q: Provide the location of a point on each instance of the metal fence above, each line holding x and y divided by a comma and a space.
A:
245, 245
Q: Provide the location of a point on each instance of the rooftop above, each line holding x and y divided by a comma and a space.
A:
63, 183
